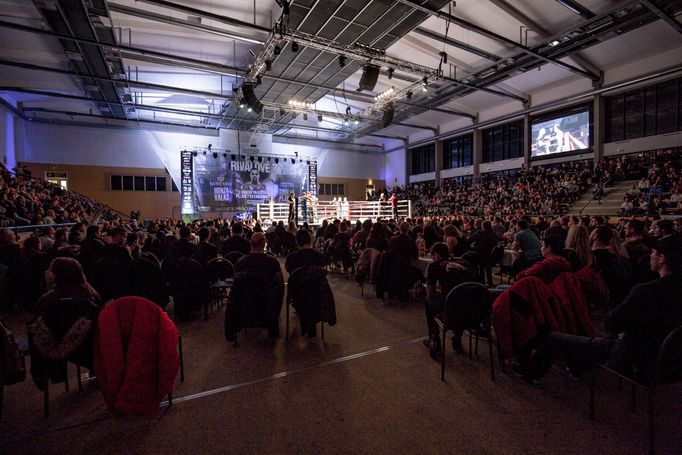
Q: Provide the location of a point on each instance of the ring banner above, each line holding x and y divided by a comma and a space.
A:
225, 185
186, 188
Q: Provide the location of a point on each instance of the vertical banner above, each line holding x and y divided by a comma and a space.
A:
312, 178
186, 182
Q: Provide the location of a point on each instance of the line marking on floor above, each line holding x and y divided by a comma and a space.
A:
194, 396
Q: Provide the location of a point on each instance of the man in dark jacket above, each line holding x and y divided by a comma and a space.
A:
484, 242
305, 255
638, 325
236, 242
205, 250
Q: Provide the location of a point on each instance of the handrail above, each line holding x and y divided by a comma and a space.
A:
38, 226
601, 188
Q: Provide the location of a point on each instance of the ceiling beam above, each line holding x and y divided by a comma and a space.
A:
670, 20
207, 15
122, 9
577, 8
487, 33
541, 31
458, 44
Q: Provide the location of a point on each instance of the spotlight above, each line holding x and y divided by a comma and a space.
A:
268, 65
204, 152
390, 73
277, 50
194, 153
409, 95
348, 110
342, 61
319, 118
241, 103
293, 161
425, 84
209, 146
294, 46
276, 160
215, 155
281, 112
305, 116
224, 155
345, 121
249, 109
259, 80
252, 158
233, 157
307, 162
443, 57
260, 159
356, 121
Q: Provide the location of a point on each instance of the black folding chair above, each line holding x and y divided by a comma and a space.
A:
667, 370
220, 273
467, 308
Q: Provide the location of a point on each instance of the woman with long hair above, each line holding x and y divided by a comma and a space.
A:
579, 248
68, 280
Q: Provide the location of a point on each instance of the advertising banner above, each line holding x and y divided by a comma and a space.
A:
224, 184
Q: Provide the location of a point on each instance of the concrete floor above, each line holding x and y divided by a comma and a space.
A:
386, 397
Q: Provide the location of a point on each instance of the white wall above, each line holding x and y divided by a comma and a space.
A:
394, 165
644, 143
8, 122
504, 165
456, 172
428, 176
158, 149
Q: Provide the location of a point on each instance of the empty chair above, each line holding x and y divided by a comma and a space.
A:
467, 308
233, 256
255, 301
188, 286
309, 293
220, 273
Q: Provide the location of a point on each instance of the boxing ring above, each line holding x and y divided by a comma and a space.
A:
329, 210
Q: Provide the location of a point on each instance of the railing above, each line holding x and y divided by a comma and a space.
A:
594, 194
327, 210
35, 227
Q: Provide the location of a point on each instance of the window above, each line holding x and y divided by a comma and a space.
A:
127, 183
116, 183
138, 183
423, 159
458, 152
642, 112
503, 142
150, 183
160, 183
332, 189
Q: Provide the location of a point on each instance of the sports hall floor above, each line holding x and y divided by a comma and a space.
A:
372, 388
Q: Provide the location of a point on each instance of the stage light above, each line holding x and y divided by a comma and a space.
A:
345, 121
348, 110
276, 160
252, 158
390, 73
294, 46
194, 153
268, 65
293, 161
260, 159
259, 80
241, 103
233, 157
342, 61
224, 155
249, 109
425, 84
215, 155
204, 152
305, 116
307, 162
409, 95
356, 121
209, 147
277, 50
319, 118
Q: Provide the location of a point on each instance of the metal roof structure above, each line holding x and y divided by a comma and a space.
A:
294, 68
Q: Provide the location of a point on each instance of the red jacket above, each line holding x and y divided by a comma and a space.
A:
518, 313
568, 292
547, 269
136, 358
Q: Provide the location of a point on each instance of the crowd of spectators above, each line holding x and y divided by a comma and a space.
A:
25, 200
540, 190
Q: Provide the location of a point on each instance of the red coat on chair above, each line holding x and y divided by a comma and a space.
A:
519, 312
136, 358
568, 293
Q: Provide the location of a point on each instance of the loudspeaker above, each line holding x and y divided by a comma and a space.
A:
251, 99
370, 74
388, 115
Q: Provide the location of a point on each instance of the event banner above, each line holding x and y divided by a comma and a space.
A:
186, 187
224, 184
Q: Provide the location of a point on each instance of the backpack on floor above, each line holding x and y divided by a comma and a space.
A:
12, 364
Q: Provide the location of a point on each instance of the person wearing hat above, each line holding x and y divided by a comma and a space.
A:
638, 326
